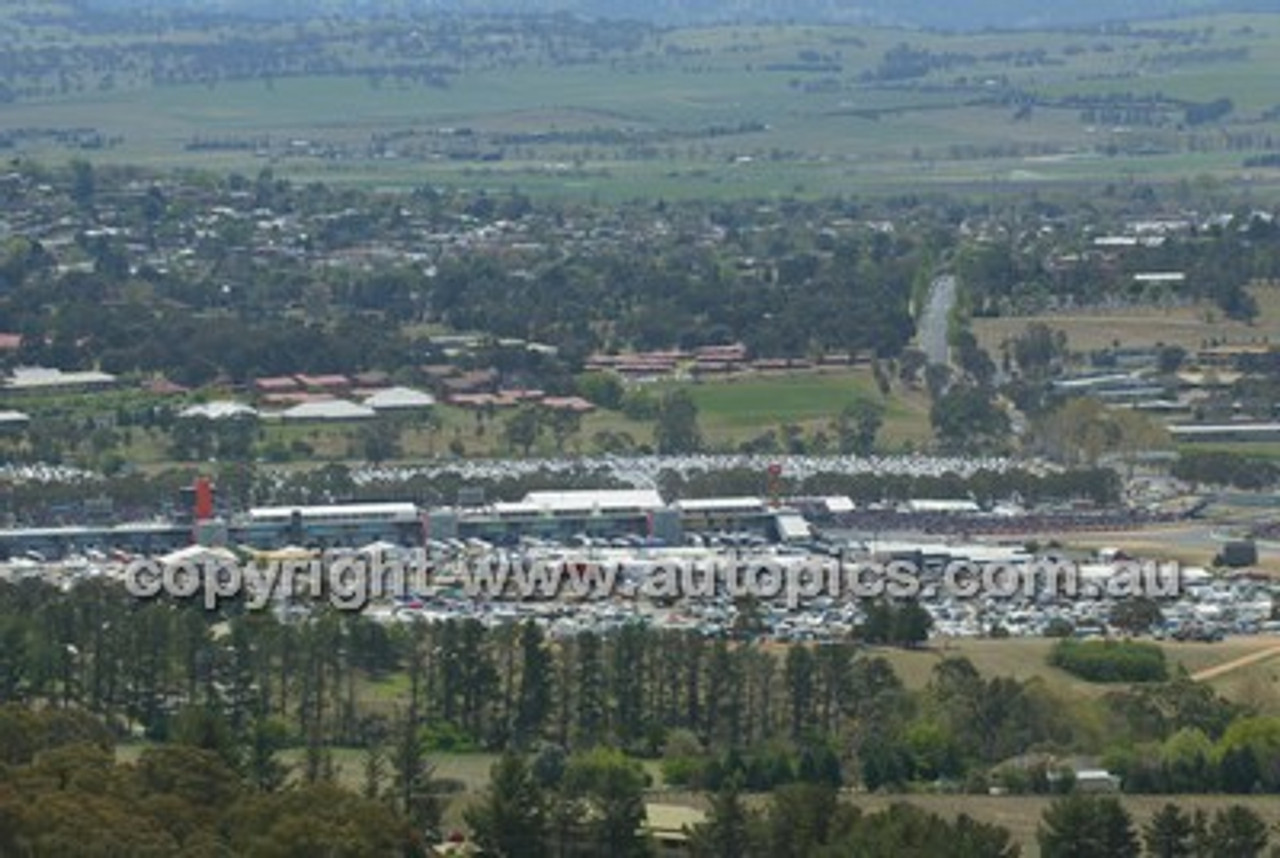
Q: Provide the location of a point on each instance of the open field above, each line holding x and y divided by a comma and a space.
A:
1185, 543
1255, 450
1189, 327
724, 111
734, 408
1255, 684
731, 411
1025, 658
1236, 665
1250, 666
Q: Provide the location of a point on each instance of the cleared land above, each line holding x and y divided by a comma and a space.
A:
1190, 327
1240, 668
727, 111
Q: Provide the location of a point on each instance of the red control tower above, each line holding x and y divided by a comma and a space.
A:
775, 484
204, 499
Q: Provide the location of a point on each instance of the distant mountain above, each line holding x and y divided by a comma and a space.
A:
963, 15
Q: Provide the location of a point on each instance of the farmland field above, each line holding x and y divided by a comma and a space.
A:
723, 111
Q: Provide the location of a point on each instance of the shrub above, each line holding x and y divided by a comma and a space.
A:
1110, 661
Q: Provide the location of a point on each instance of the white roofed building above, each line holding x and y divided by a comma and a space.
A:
196, 556
29, 378
220, 410
713, 506
329, 409
943, 506
398, 511
399, 399
791, 527
588, 501
14, 420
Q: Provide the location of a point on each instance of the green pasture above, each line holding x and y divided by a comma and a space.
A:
743, 408
828, 125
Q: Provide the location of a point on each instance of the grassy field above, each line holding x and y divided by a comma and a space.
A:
1025, 659
1257, 685
736, 409
800, 126
1262, 450
731, 411
1189, 327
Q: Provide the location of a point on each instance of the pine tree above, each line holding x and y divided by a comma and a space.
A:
511, 820
1237, 832
590, 691
799, 674
726, 832
612, 786
534, 702
1083, 826
413, 777
1168, 834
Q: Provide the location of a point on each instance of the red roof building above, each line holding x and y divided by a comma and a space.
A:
276, 384
324, 382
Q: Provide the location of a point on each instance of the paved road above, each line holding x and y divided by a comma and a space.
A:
933, 321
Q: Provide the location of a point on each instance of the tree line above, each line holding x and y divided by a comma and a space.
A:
710, 708
518, 816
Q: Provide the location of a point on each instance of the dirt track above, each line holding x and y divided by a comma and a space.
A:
1235, 664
